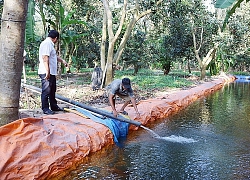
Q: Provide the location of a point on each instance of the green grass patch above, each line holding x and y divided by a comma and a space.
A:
241, 73
152, 79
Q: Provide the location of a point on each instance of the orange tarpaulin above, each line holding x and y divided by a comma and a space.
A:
33, 148
39, 148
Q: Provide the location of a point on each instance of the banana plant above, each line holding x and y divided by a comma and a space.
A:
64, 22
30, 36
222, 4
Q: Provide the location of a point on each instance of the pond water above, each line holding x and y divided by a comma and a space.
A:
216, 145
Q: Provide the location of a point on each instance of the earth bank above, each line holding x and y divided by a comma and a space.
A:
77, 87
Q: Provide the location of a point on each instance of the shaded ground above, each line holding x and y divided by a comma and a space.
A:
77, 87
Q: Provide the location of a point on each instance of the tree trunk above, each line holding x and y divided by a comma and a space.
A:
11, 57
112, 38
189, 68
203, 72
166, 67
103, 47
109, 71
104, 39
124, 41
203, 63
136, 68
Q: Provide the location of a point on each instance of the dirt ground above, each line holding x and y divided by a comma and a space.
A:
77, 87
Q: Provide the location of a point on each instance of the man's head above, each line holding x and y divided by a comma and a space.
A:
53, 34
126, 83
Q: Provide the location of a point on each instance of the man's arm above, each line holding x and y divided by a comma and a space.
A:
112, 103
135, 107
62, 61
46, 65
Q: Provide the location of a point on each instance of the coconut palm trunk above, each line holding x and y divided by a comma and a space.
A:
11, 57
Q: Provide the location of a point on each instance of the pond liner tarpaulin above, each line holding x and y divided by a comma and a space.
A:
43, 148
118, 128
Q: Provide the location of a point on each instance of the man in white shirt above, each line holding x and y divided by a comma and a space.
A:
47, 71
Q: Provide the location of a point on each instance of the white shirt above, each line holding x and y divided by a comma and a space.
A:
47, 48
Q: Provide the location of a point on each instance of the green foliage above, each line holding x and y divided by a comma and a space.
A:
86, 45
151, 79
31, 39
134, 53
30, 73
160, 82
159, 45
235, 42
183, 74
84, 70
225, 4
1, 7
241, 73
145, 79
179, 39
175, 42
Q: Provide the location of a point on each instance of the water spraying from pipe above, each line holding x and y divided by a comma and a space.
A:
154, 134
172, 138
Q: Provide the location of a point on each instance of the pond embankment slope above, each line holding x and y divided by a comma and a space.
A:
41, 148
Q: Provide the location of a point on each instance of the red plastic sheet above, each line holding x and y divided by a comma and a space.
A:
41, 148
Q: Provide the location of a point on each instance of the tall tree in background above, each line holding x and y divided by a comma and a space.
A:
11, 56
130, 14
177, 40
204, 27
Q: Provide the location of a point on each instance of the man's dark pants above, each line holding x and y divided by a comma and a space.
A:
48, 92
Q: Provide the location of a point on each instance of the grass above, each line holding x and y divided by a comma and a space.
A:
152, 79
241, 73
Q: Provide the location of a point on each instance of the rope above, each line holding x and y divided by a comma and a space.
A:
75, 112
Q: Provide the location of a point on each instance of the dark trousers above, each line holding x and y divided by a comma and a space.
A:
48, 92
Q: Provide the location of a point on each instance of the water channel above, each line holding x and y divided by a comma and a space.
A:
217, 130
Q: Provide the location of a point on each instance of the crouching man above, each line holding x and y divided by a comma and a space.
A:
121, 88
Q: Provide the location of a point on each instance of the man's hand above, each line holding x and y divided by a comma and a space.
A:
138, 115
65, 63
115, 113
47, 76
62, 61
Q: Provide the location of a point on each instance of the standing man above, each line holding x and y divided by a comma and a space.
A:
47, 71
121, 88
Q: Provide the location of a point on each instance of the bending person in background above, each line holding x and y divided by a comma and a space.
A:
96, 79
121, 88
47, 71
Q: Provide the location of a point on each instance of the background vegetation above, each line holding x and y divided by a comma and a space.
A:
160, 40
